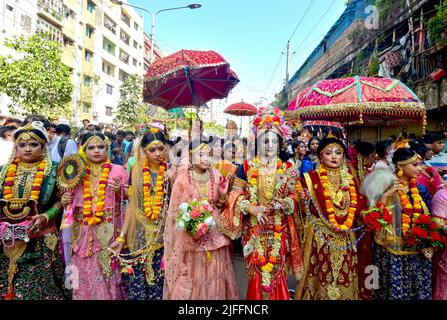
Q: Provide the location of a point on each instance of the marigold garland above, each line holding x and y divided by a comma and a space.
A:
267, 265
410, 212
347, 224
101, 196
152, 204
37, 183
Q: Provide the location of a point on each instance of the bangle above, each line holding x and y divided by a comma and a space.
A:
51, 213
223, 201
121, 239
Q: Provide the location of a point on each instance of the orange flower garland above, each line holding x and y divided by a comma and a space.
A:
101, 196
347, 224
152, 204
410, 212
37, 183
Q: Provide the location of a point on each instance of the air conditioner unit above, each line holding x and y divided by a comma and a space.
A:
95, 113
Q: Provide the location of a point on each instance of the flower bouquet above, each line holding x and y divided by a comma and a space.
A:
196, 218
425, 233
378, 218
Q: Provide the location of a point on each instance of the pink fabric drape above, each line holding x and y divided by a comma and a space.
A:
189, 274
439, 210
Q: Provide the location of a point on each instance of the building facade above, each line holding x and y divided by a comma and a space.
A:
102, 44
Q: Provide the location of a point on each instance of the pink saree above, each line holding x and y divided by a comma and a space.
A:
196, 270
97, 279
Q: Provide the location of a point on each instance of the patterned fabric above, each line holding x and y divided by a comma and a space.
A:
402, 277
137, 287
329, 273
40, 274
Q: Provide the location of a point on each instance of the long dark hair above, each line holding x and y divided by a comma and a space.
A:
150, 137
402, 154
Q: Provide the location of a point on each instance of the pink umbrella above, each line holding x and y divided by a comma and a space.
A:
188, 78
359, 101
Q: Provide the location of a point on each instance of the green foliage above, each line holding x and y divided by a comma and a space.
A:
37, 82
438, 24
130, 111
356, 33
384, 7
215, 128
374, 66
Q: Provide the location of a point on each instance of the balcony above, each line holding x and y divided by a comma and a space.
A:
51, 11
69, 28
124, 57
69, 56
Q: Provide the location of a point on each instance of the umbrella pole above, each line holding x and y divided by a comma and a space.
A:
240, 128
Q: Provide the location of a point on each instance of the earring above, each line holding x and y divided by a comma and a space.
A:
400, 173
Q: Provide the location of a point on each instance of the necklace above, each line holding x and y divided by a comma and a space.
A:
198, 188
95, 170
347, 184
152, 203
99, 198
200, 177
33, 191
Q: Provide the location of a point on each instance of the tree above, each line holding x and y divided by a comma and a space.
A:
37, 81
130, 111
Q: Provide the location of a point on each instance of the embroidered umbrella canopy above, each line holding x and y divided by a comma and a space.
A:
241, 109
359, 101
188, 78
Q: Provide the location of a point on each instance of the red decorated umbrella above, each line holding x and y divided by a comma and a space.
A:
241, 109
188, 78
359, 101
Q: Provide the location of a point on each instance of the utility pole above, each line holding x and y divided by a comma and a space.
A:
287, 68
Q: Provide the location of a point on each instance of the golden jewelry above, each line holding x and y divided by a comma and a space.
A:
154, 144
201, 177
96, 139
331, 145
28, 135
415, 158
200, 147
400, 173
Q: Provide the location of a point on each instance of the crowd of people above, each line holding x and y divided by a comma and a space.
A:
348, 221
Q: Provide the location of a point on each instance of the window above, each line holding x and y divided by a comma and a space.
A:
109, 111
123, 75
86, 107
135, 62
109, 24
108, 69
26, 22
135, 44
124, 57
125, 37
109, 89
88, 31
125, 18
88, 55
87, 81
9, 7
135, 25
108, 45
90, 6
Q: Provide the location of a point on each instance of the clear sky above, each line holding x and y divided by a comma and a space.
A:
249, 34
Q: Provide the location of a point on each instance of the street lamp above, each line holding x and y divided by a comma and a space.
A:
153, 15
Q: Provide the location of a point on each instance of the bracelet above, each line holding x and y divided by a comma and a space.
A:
223, 201
243, 206
121, 239
51, 213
